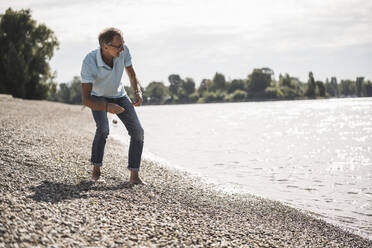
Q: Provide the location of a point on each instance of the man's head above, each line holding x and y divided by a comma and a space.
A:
111, 41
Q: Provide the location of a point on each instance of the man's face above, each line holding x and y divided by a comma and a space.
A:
115, 47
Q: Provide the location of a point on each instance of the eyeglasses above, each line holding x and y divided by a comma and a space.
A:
117, 47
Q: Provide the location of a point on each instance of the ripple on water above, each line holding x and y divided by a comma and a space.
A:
309, 189
346, 219
363, 214
282, 180
367, 228
292, 186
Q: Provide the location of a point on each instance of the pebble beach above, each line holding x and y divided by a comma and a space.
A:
48, 200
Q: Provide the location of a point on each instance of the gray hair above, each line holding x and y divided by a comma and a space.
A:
107, 35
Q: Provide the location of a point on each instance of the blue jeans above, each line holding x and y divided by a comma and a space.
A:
131, 122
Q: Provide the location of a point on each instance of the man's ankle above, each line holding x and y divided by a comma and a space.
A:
133, 174
96, 174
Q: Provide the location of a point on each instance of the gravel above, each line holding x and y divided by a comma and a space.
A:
47, 198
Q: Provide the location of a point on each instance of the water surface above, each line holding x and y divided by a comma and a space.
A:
312, 154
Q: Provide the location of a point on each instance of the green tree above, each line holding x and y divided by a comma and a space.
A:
258, 81
175, 84
359, 85
209, 96
321, 88
268, 71
219, 82
289, 93
64, 93
332, 87
237, 84
188, 86
53, 91
75, 91
239, 95
311, 86
367, 89
25, 50
220, 95
156, 93
286, 81
186, 90
204, 86
290, 87
70, 92
53, 88
275, 92
335, 85
194, 97
348, 87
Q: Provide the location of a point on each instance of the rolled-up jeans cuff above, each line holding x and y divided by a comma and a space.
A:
133, 169
96, 164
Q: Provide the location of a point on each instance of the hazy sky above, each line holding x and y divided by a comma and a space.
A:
197, 38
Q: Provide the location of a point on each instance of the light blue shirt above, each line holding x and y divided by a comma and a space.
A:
106, 80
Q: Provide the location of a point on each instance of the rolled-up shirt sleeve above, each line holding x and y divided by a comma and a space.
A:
87, 74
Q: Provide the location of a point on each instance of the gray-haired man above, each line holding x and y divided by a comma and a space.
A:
103, 92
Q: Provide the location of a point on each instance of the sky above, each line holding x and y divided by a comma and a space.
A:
197, 38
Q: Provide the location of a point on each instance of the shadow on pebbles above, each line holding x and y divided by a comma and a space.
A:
47, 198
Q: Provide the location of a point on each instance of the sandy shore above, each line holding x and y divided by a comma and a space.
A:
47, 199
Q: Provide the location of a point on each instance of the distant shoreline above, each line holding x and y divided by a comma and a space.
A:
252, 100
260, 100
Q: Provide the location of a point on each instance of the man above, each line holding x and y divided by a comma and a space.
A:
103, 92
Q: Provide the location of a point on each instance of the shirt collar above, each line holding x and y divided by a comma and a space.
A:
100, 61
99, 58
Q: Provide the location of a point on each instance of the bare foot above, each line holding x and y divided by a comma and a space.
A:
135, 179
96, 173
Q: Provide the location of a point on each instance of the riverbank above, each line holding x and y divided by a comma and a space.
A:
46, 197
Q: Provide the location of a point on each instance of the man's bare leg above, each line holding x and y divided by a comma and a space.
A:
96, 173
134, 178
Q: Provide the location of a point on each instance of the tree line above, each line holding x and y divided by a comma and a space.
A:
259, 85
26, 49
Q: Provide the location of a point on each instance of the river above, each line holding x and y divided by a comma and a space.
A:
314, 155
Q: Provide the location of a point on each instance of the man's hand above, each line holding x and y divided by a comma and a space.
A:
114, 108
137, 100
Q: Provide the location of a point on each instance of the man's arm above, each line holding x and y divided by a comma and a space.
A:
90, 102
135, 85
